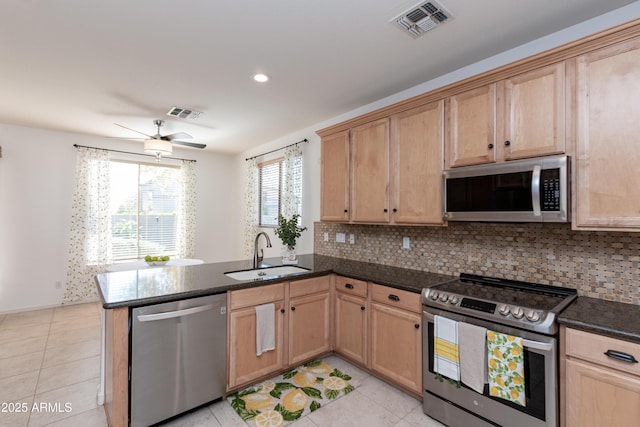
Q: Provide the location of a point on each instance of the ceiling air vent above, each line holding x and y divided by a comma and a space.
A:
183, 113
422, 18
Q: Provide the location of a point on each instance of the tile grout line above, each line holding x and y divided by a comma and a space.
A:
33, 398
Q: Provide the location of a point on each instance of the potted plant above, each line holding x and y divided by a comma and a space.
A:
288, 232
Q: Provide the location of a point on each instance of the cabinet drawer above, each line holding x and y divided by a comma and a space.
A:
256, 296
309, 286
592, 347
396, 297
351, 286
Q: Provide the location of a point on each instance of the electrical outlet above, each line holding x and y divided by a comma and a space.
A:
406, 243
340, 238
326, 237
352, 239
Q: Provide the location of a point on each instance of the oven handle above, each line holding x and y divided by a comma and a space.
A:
534, 345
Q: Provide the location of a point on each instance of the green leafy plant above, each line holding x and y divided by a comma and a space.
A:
288, 230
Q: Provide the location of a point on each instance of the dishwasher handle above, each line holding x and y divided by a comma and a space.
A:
173, 314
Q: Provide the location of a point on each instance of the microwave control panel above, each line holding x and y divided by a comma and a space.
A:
550, 189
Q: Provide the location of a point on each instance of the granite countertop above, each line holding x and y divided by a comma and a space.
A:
164, 284
614, 319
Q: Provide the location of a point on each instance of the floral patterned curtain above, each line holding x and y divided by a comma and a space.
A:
251, 206
292, 191
186, 238
90, 245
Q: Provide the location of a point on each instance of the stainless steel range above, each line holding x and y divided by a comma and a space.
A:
521, 309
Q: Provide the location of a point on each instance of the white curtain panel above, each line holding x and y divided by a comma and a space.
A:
186, 227
251, 206
292, 191
90, 243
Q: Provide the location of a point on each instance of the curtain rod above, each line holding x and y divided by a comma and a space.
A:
129, 152
277, 149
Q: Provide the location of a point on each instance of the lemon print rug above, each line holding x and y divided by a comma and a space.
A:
292, 395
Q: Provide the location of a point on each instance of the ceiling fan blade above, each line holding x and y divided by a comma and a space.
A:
179, 135
189, 144
133, 130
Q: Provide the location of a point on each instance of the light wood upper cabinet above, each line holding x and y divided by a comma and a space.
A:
534, 113
417, 144
471, 127
334, 181
370, 172
608, 127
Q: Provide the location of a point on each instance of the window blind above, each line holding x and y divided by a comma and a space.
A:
271, 183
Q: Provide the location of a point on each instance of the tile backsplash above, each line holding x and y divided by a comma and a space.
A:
598, 264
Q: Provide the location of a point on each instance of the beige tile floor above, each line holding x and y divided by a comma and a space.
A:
50, 369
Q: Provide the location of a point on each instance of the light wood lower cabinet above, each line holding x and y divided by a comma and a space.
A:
598, 390
244, 365
309, 319
350, 339
303, 328
396, 336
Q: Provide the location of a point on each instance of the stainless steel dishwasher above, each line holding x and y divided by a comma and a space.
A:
178, 357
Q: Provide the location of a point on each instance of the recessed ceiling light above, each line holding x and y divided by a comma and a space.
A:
260, 78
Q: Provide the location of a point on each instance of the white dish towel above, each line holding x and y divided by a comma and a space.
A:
446, 359
265, 328
473, 355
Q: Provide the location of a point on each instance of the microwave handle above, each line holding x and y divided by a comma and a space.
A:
535, 190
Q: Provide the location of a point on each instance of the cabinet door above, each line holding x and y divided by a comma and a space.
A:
393, 329
417, 145
608, 125
471, 127
244, 365
370, 172
598, 397
334, 181
534, 113
351, 327
309, 327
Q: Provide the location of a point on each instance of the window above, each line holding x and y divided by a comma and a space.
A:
276, 191
144, 209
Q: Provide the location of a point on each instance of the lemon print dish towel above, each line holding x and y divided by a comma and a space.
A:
292, 395
505, 357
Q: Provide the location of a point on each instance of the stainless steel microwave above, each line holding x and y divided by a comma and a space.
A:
532, 190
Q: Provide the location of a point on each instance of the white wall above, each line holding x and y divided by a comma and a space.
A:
311, 201
36, 188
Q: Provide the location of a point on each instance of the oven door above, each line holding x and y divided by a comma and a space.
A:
453, 406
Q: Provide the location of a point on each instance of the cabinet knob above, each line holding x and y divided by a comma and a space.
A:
395, 210
386, 210
348, 286
362, 307
293, 309
507, 143
393, 297
345, 211
417, 326
490, 146
282, 310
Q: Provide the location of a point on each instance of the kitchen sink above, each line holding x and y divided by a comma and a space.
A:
266, 273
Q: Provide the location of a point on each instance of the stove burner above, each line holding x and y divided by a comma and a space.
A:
525, 305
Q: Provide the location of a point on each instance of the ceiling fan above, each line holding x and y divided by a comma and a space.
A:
163, 144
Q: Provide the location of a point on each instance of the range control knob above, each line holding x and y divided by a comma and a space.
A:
453, 300
503, 309
444, 297
433, 295
517, 312
532, 315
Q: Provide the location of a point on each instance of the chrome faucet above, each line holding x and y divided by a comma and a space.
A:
257, 259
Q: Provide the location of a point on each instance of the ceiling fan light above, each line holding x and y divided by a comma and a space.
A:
158, 147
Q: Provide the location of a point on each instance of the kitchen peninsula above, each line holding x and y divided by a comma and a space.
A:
122, 292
